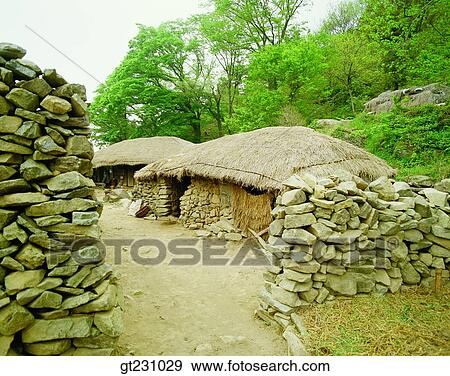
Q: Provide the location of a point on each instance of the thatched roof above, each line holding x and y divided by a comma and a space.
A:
139, 151
266, 157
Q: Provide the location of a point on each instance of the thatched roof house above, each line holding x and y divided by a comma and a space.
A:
139, 151
264, 158
121, 160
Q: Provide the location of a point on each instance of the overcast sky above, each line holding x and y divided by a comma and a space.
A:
95, 33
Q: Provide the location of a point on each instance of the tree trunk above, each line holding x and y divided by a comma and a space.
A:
197, 131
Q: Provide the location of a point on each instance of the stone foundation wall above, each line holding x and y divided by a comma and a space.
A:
160, 194
57, 296
341, 236
205, 202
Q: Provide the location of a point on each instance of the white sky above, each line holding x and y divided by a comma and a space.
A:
95, 33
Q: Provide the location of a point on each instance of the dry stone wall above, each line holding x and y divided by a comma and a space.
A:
57, 296
160, 195
341, 236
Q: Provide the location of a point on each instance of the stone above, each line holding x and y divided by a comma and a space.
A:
403, 189
235, 237
440, 241
300, 220
11, 51
435, 197
21, 69
409, 274
5, 343
389, 228
34, 171
59, 207
341, 217
6, 217
96, 274
97, 340
14, 231
92, 231
276, 227
63, 271
439, 251
17, 281
37, 86
346, 237
443, 185
9, 124
384, 188
422, 207
23, 98
298, 236
286, 297
440, 232
68, 181
30, 256
79, 106
48, 299
395, 285
9, 263
296, 276
110, 322
307, 207
13, 148
310, 295
381, 276
56, 105
309, 267
11, 159
29, 129
22, 199
46, 145
5, 106
421, 268
293, 197
426, 258
55, 135
297, 182
6, 172
320, 231
53, 78
68, 90
294, 343
10, 186
293, 286
47, 330
56, 347
38, 118
344, 284
413, 236
14, 318
106, 302
51, 116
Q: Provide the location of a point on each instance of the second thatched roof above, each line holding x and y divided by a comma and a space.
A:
139, 151
264, 158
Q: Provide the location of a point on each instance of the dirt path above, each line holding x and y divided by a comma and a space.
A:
186, 310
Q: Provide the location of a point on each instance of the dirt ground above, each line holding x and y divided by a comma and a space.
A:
186, 310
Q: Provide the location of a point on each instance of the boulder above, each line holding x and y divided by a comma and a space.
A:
18, 281
68, 181
345, 284
293, 197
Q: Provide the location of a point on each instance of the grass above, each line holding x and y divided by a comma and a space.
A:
415, 322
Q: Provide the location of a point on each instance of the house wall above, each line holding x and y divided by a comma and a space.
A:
105, 174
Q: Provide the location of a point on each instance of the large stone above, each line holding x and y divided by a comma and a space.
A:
286, 297
110, 322
53, 78
14, 318
440, 232
32, 170
79, 106
92, 231
105, 302
346, 237
96, 275
436, 197
56, 136
22, 199
301, 267
50, 220
297, 182
11, 264
413, 236
381, 276
46, 145
37, 86
341, 217
30, 256
38, 118
296, 276
21, 69
300, 220
307, 207
5, 106
60, 207
68, 90
47, 348
293, 197
97, 340
9, 124
439, 251
18, 281
320, 231
409, 274
403, 189
389, 228
27, 296
384, 188
56, 105
276, 227
23, 98
443, 185
80, 146
48, 299
68, 181
298, 236
71, 163
29, 129
10, 147
11, 51
345, 284
47, 330
14, 185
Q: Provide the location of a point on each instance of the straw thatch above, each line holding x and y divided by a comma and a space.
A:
265, 157
139, 151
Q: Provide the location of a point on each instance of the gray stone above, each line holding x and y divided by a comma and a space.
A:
426, 258
384, 188
381, 276
276, 227
345, 284
298, 236
46, 145
14, 318
33, 171
56, 105
92, 231
296, 276
443, 185
47, 348
96, 275
47, 330
389, 228
68, 181
13, 148
105, 302
341, 217
440, 232
436, 197
320, 231
300, 220
413, 236
59, 207
297, 182
403, 189
23, 98
439, 251
310, 295
346, 237
409, 274
22, 199
286, 297
307, 207
29, 129
293, 197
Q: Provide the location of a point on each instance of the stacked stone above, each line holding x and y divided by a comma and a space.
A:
201, 204
56, 293
341, 236
159, 195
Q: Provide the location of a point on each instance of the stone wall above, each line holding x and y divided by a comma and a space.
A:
205, 202
341, 236
162, 196
57, 296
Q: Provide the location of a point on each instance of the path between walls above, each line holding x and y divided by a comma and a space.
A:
186, 310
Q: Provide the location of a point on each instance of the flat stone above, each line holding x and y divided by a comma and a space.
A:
51, 116
345, 284
297, 182
18, 281
34, 171
105, 302
68, 90
11, 264
439, 251
276, 227
346, 237
11, 51
9, 147
30, 256
320, 231
53, 78
10, 159
381, 276
14, 231
384, 188
296, 276
47, 348
27, 296
92, 231
294, 343
46, 145
6, 172
96, 274
56, 136
50, 220
341, 217
96, 341
436, 197
298, 236
68, 181
79, 106
47, 330
5, 343
14, 318
38, 118
56, 105
5, 106
29, 129
110, 322
48, 299
440, 232
6, 217
410, 275
413, 236
63, 271
77, 278
23, 98
324, 204
37, 86
300, 220
21, 69
79, 300
22, 199
59, 207
10, 186
286, 297
293, 197
9, 124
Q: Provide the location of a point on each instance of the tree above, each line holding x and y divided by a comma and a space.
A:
345, 16
159, 88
